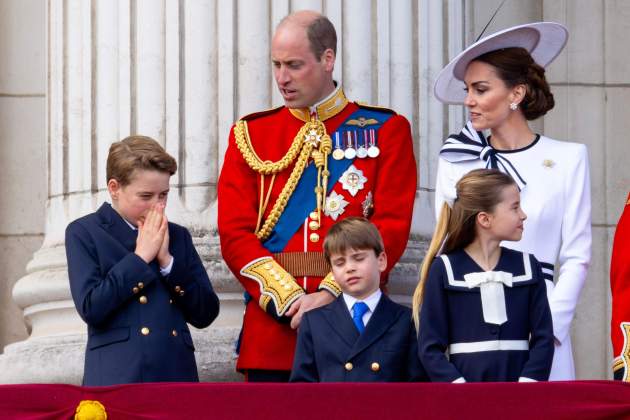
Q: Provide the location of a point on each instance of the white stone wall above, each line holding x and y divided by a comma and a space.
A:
591, 81
182, 72
22, 150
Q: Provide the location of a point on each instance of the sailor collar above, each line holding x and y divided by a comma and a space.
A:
523, 276
327, 108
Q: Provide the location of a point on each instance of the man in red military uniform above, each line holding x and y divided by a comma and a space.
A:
620, 288
289, 174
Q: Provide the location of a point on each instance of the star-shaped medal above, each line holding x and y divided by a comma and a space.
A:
312, 137
335, 205
353, 180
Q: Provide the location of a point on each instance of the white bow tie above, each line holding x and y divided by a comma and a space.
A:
491, 285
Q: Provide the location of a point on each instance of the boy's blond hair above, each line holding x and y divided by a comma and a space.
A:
137, 152
352, 233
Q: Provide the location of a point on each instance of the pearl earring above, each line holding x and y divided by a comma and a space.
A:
513, 106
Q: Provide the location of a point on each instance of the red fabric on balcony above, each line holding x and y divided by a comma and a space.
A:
558, 400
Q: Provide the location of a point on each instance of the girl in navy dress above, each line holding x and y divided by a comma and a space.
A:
481, 309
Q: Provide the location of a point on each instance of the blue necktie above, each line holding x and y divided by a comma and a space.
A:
358, 310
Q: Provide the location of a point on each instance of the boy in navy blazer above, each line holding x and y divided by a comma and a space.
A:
136, 279
362, 336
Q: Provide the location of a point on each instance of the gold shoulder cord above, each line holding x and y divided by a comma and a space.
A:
312, 134
241, 134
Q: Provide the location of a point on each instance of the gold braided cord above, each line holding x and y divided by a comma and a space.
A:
262, 203
312, 134
244, 144
320, 158
326, 148
287, 191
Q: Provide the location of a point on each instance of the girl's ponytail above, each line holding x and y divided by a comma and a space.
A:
477, 191
437, 240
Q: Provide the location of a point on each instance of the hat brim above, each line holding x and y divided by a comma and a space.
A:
543, 40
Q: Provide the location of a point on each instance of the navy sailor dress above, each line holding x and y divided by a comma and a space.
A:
460, 341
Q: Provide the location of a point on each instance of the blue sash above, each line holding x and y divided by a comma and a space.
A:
303, 200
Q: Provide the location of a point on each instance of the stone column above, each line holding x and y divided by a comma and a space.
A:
182, 72
22, 155
591, 86
118, 68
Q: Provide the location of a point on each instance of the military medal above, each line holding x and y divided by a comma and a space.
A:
338, 153
373, 151
368, 205
349, 153
353, 180
362, 150
335, 205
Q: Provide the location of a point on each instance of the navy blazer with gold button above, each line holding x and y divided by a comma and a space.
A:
330, 349
136, 317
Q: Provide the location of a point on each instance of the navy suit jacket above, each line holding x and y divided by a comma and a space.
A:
330, 349
136, 318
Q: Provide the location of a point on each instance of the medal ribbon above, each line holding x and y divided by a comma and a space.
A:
303, 201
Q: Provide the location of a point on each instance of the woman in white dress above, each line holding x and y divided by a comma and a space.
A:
501, 80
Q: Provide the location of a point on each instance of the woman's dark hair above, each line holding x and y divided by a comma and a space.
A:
516, 66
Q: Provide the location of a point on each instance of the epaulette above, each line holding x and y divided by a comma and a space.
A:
376, 108
254, 115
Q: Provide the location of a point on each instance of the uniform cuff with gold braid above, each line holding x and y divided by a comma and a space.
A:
277, 287
329, 284
619, 369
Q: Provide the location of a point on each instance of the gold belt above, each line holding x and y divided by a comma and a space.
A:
300, 264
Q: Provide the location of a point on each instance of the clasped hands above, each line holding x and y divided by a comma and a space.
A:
153, 237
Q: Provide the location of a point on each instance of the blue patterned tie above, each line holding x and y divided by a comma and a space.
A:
358, 310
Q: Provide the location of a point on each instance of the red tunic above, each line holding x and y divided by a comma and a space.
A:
391, 178
620, 288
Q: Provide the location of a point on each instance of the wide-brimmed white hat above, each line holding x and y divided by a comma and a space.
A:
543, 40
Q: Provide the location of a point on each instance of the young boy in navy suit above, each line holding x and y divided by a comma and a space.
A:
362, 336
136, 279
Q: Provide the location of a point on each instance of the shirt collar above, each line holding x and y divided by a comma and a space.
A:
125, 220
129, 224
327, 108
371, 301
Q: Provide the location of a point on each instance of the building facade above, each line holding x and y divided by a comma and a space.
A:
76, 75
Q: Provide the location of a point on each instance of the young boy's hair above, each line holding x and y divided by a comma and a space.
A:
352, 233
137, 152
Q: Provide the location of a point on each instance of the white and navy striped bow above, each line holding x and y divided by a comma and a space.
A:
470, 145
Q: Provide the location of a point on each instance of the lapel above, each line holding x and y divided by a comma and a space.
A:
117, 228
338, 316
385, 314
